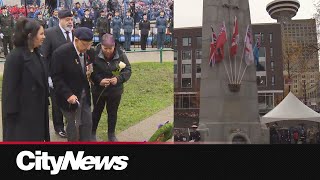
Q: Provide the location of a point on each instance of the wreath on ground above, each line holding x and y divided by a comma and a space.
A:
163, 134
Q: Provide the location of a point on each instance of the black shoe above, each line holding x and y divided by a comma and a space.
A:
112, 137
61, 133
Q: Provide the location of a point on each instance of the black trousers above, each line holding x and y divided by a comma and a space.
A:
143, 41
57, 116
7, 40
112, 102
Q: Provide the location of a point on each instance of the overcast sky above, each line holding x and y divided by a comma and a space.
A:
188, 13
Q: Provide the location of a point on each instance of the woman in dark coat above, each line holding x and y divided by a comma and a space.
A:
25, 86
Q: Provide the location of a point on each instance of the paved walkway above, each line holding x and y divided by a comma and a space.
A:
145, 128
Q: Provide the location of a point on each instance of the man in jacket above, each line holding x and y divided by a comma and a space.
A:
103, 24
7, 26
108, 84
55, 37
161, 25
72, 89
53, 20
144, 27
128, 25
116, 25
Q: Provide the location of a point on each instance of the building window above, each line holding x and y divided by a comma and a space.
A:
295, 86
186, 55
175, 42
186, 69
185, 102
176, 85
198, 68
256, 36
186, 83
265, 102
261, 64
271, 52
272, 65
199, 42
273, 80
186, 41
270, 37
175, 55
198, 54
175, 68
261, 81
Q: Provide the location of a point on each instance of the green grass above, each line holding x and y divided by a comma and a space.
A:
149, 90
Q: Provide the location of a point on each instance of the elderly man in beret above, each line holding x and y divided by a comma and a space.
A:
55, 37
71, 85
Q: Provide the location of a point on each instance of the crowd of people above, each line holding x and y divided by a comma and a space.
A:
60, 63
187, 134
294, 135
118, 17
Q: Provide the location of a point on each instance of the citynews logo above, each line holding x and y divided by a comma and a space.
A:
42, 161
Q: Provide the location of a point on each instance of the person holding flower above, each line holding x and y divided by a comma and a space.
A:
110, 70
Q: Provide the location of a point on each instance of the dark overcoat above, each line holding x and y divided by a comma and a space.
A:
25, 94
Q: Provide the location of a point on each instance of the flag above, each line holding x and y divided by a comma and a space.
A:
235, 38
212, 48
222, 39
256, 51
248, 48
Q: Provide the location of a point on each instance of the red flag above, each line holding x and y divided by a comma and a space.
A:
212, 48
222, 39
235, 38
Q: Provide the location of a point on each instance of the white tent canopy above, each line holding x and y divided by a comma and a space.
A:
291, 108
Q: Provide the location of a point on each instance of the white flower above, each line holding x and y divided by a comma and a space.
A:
121, 65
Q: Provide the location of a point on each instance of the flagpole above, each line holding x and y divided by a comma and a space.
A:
228, 53
235, 58
213, 54
244, 46
225, 67
243, 73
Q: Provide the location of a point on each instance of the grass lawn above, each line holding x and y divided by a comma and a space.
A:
149, 90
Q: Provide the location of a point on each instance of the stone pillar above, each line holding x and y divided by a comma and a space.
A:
224, 113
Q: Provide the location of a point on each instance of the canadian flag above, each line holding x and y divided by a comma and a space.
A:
222, 39
235, 38
249, 58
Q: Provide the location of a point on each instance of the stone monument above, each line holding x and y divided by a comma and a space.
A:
228, 114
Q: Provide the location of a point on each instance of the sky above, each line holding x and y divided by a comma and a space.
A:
188, 13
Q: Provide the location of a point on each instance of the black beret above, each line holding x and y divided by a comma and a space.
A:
3, 7
65, 13
83, 33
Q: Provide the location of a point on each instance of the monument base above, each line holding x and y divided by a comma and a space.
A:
234, 133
